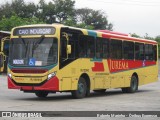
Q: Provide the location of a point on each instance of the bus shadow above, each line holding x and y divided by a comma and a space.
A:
115, 92
62, 97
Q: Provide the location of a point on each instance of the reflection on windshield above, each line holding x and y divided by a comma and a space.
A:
33, 52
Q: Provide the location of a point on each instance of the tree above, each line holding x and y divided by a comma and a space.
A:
95, 18
46, 12
56, 11
148, 37
135, 35
7, 24
63, 9
18, 7
5, 10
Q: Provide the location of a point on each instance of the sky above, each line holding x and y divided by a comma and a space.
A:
127, 16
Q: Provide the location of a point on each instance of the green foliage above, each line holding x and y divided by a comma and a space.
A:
148, 37
46, 12
56, 11
95, 18
64, 9
135, 35
8, 23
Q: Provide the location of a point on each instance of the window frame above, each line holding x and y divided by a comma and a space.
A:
86, 48
110, 49
139, 51
102, 41
133, 50
148, 51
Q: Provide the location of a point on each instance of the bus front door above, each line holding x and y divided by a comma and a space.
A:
4, 52
1, 62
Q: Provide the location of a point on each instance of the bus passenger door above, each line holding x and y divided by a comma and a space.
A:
1, 62
4, 53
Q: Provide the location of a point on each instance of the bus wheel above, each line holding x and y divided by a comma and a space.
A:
100, 91
41, 94
81, 90
133, 86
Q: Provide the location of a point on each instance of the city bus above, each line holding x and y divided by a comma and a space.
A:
54, 58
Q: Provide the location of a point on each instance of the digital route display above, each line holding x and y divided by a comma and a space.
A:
34, 31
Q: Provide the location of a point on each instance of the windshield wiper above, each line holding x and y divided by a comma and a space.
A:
23, 41
26, 45
38, 42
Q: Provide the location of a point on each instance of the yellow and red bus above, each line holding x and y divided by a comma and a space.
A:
56, 58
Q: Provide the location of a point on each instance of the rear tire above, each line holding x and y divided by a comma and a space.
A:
133, 86
81, 89
41, 94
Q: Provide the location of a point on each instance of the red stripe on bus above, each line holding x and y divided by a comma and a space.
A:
121, 65
98, 67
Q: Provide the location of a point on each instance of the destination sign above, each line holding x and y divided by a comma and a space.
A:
34, 31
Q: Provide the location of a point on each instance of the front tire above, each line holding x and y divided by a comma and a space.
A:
133, 86
41, 94
81, 89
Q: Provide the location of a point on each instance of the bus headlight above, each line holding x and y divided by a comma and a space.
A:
51, 75
10, 75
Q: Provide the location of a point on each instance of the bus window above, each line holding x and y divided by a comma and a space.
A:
139, 51
128, 50
6, 47
63, 48
102, 49
155, 52
148, 52
86, 46
116, 49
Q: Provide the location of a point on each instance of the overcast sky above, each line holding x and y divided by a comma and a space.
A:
127, 16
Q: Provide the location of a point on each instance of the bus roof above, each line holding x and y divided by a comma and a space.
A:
112, 32
104, 33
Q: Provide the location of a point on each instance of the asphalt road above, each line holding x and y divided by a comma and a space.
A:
146, 99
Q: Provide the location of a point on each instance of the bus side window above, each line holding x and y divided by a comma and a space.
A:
128, 50
86, 46
102, 48
63, 48
116, 49
155, 52
148, 52
139, 51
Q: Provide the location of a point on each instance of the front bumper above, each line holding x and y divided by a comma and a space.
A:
50, 85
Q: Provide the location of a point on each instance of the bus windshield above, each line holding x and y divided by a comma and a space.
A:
33, 51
